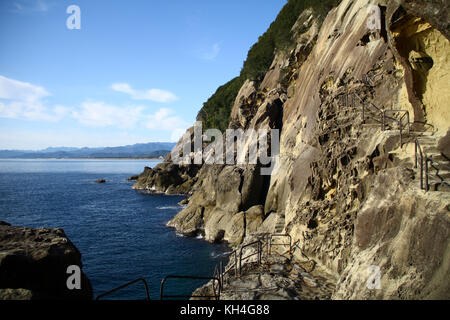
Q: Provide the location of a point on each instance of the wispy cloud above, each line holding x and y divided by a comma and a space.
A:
23, 91
157, 95
212, 53
166, 120
30, 6
24, 100
99, 114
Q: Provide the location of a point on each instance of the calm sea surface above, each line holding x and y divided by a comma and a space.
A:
120, 232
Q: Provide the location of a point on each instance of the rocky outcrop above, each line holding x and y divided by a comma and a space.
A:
34, 262
167, 178
345, 188
223, 204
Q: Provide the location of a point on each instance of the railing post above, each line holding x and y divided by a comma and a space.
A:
427, 187
421, 171
235, 264
363, 113
415, 144
409, 124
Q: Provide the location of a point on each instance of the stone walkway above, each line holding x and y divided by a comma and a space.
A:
277, 278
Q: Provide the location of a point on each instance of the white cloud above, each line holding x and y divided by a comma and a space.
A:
157, 95
99, 114
165, 120
22, 91
24, 100
21, 6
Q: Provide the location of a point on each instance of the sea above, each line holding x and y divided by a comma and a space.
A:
120, 232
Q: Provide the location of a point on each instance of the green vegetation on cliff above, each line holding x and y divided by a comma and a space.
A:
216, 111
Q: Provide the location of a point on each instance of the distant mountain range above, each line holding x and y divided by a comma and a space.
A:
142, 150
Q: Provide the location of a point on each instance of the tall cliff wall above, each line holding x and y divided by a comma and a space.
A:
345, 189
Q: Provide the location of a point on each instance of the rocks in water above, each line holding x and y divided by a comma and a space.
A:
34, 262
100, 181
168, 178
224, 206
133, 178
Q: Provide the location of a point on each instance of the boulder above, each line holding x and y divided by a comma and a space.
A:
34, 262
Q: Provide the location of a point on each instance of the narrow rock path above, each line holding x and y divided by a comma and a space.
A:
276, 278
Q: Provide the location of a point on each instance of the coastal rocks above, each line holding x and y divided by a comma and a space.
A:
225, 197
15, 294
344, 188
167, 178
34, 262
133, 178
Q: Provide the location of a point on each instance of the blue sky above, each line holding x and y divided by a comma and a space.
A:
137, 71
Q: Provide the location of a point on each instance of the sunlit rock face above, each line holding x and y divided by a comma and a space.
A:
344, 189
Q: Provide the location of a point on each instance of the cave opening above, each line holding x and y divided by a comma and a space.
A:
423, 52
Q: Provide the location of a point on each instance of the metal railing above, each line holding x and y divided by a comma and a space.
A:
438, 166
271, 244
419, 156
425, 163
220, 270
381, 116
147, 295
258, 253
216, 291
401, 126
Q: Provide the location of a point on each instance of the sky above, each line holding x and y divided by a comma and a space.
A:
135, 71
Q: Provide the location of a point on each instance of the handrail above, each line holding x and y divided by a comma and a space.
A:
370, 107
147, 295
280, 244
258, 252
418, 153
234, 252
434, 165
399, 121
424, 170
163, 282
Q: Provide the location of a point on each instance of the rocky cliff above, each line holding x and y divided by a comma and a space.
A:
34, 262
351, 102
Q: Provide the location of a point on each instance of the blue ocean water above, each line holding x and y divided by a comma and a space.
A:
120, 232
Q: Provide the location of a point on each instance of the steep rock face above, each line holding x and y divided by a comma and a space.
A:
404, 233
345, 189
34, 262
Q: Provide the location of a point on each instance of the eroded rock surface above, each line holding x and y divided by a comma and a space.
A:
34, 262
345, 187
